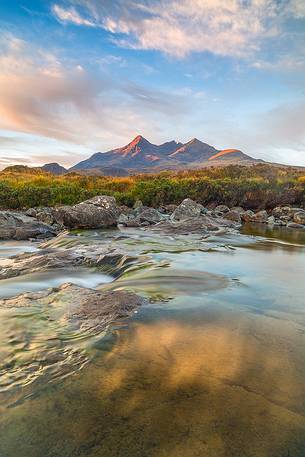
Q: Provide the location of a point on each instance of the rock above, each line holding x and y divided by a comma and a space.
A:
168, 209
285, 219
239, 209
279, 211
202, 224
87, 309
299, 217
31, 212
98, 212
188, 208
138, 204
125, 210
106, 258
260, 216
18, 226
233, 215
39, 261
150, 215
296, 226
138, 207
46, 217
271, 220
221, 209
250, 216
123, 219
285, 211
246, 216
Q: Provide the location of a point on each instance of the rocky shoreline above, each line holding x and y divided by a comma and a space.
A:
103, 212
100, 213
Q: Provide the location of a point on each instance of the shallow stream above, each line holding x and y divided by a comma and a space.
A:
212, 366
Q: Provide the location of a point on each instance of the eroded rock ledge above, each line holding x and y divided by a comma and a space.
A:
87, 309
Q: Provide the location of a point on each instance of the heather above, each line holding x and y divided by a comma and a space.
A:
256, 187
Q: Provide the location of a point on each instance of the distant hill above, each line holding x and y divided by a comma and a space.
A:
142, 156
54, 168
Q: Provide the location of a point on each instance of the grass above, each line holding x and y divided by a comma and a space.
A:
256, 187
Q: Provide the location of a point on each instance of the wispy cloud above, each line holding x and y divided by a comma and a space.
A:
41, 95
179, 27
71, 15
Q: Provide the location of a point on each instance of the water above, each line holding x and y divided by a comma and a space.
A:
213, 366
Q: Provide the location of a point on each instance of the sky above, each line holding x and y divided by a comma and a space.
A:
81, 76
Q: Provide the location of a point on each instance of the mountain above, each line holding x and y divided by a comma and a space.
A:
137, 154
230, 154
142, 156
54, 168
194, 151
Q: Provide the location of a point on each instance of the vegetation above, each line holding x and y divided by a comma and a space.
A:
256, 187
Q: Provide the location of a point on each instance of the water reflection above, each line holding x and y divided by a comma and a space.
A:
215, 370
216, 383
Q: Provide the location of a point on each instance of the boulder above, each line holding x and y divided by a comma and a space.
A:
299, 217
246, 216
285, 211
98, 212
18, 226
296, 226
150, 215
168, 209
250, 216
222, 209
202, 224
188, 208
260, 216
138, 204
31, 212
279, 211
233, 215
46, 216
239, 209
125, 210
271, 220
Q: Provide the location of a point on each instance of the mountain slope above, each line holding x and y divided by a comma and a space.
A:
142, 156
136, 154
194, 151
229, 154
54, 168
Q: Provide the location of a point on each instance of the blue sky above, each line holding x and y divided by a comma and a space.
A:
80, 76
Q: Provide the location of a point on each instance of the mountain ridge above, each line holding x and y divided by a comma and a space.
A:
139, 155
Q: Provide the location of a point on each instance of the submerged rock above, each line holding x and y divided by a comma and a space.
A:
18, 226
106, 259
295, 225
87, 309
42, 260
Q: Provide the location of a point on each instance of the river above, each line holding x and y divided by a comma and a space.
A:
212, 366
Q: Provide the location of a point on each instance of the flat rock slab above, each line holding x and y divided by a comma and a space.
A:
201, 225
18, 226
87, 309
107, 260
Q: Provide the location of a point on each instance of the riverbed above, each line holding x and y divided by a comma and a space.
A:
212, 366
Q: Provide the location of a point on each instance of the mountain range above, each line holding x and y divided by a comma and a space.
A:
141, 156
